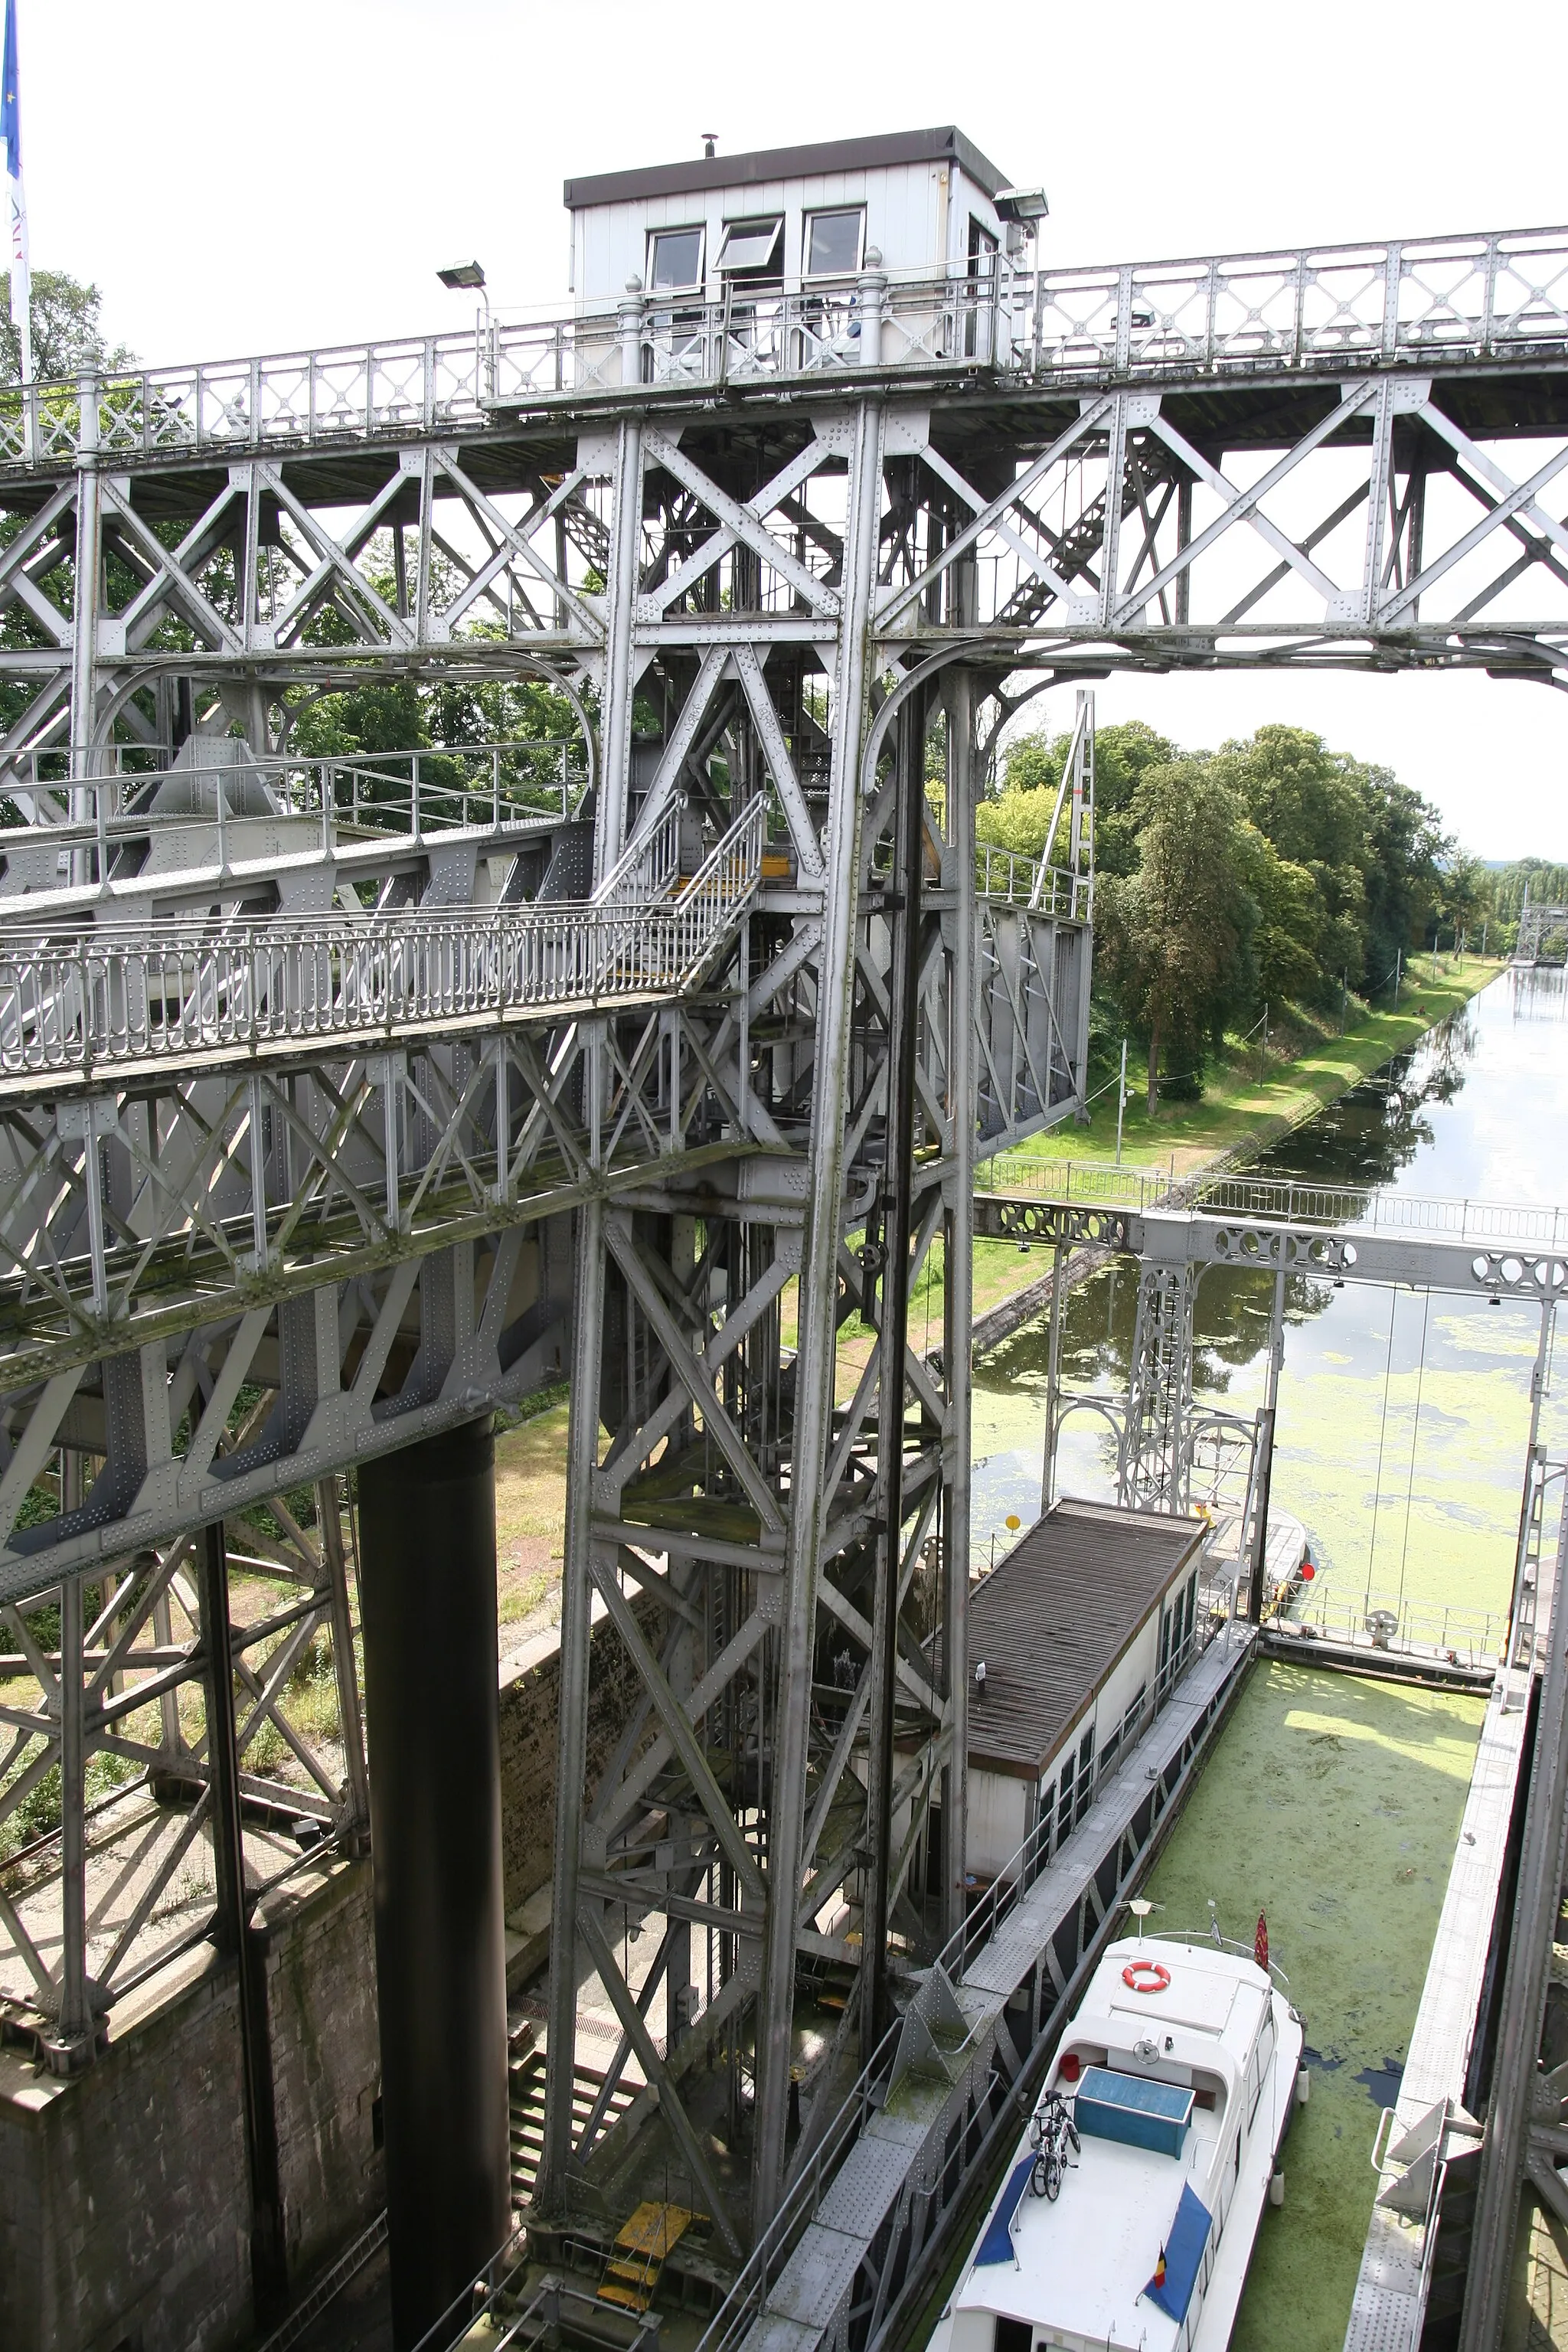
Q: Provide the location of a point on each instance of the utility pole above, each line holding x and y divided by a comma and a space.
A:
1257, 1596
1399, 967
1345, 999
1120, 1101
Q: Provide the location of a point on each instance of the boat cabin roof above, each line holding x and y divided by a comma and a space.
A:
1054, 1617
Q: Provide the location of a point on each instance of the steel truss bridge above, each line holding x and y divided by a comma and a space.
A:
335, 1113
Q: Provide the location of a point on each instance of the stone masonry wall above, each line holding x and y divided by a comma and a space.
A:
124, 2212
528, 1705
124, 2199
326, 2066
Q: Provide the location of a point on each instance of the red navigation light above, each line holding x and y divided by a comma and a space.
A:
1308, 1572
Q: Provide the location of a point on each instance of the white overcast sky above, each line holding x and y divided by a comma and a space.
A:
240, 180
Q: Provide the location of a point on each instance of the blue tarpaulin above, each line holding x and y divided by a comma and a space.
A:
1184, 2242
997, 2245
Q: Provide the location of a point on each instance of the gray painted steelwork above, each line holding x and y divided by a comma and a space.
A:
766, 534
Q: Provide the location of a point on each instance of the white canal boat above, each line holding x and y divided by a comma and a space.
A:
1129, 2212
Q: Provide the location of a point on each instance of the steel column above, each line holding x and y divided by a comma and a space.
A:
620, 677
236, 1935
84, 617
958, 1288
354, 1831
571, 1743
897, 1221
428, 1537
1254, 1591
75, 2015
816, 1362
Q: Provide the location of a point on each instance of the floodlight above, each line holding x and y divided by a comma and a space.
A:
462, 274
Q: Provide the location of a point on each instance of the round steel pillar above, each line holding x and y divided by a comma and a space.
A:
428, 1554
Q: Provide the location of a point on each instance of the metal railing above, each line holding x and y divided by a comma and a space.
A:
354, 796
649, 866
1013, 875
1085, 1181
132, 995
1412, 301
1381, 1209
1376, 1621
1366, 1207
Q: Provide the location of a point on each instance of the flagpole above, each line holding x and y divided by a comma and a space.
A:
11, 131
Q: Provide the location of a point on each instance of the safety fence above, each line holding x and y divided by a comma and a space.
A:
1390, 1621
1414, 301
120, 997
1012, 875
1366, 1207
337, 801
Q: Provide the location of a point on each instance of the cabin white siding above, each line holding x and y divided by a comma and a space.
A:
917, 217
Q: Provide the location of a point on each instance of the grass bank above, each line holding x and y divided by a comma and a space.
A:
1251, 1100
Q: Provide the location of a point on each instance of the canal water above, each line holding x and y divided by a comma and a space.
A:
1333, 1803
1403, 1418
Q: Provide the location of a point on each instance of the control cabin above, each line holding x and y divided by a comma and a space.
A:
791, 219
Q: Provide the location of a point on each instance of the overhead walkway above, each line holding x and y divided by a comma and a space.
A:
152, 999
1412, 303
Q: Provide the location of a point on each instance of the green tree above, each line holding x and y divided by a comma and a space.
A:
67, 336
1465, 894
1403, 872
1019, 816
1308, 804
1175, 937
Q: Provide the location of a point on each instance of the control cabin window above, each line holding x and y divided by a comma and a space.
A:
750, 248
982, 250
833, 243
674, 260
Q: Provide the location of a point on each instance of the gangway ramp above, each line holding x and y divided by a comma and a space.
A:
123, 1003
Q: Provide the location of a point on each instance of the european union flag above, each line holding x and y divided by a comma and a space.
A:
10, 114
11, 131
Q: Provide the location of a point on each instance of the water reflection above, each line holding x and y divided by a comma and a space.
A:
1402, 1419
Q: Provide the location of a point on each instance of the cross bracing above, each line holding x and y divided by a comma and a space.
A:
794, 571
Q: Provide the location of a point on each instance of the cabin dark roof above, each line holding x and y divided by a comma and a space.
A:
1055, 1617
946, 144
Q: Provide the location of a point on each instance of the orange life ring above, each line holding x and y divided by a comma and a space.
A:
1145, 1975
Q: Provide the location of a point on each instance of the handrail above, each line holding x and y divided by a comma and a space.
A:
1024, 880
426, 788
648, 862
1291, 1200
133, 992
1407, 302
